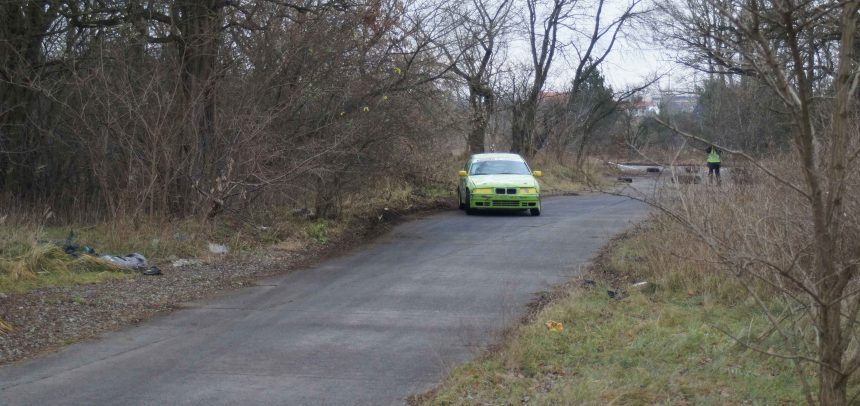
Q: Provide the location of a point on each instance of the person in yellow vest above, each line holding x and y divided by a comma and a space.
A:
714, 162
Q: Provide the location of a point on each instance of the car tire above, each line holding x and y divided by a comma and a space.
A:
468, 205
460, 200
534, 212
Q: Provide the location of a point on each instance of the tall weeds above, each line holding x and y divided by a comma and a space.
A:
750, 239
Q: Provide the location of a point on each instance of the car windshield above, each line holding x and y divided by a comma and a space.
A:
499, 168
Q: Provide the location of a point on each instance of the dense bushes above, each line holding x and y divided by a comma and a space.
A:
182, 107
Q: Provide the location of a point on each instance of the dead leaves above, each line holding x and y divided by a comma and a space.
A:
6, 328
554, 326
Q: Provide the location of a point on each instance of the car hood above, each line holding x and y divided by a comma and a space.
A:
502, 181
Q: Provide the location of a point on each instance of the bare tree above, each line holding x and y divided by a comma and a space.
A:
24, 29
180, 107
806, 53
472, 47
548, 25
573, 117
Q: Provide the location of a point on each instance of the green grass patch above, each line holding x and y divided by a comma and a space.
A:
317, 231
661, 346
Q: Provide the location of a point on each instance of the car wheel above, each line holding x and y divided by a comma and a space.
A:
534, 212
460, 200
468, 205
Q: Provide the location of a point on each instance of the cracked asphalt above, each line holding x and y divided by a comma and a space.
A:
366, 328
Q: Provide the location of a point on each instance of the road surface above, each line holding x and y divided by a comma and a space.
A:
368, 328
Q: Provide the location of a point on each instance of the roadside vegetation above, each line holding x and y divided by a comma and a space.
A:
47, 297
664, 345
709, 302
160, 128
32, 246
164, 126
32, 250
691, 335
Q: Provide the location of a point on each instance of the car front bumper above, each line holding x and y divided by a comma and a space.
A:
504, 202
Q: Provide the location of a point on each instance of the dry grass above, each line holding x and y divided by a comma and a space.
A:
698, 334
40, 259
30, 244
26, 264
6, 328
564, 177
659, 346
32, 255
32, 249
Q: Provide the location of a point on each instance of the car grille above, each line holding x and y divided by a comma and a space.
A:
506, 191
506, 203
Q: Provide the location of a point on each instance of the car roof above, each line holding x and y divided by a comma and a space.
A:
496, 156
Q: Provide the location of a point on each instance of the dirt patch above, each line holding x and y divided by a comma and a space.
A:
47, 319
289, 245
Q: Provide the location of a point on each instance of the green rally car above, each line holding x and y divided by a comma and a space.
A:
498, 181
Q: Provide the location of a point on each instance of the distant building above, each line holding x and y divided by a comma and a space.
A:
640, 108
678, 103
644, 108
554, 97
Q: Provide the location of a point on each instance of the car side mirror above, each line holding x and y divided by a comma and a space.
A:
462, 173
537, 174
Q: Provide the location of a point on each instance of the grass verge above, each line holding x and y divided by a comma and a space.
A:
561, 178
665, 344
31, 255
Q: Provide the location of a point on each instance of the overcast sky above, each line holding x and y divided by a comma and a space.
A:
634, 60
632, 63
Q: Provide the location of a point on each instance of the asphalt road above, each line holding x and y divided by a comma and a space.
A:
368, 328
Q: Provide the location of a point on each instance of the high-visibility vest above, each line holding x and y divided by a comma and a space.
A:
713, 156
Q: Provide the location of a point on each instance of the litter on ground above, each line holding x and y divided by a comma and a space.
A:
217, 249
152, 271
554, 326
130, 261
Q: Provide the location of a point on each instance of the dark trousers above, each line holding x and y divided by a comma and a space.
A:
714, 168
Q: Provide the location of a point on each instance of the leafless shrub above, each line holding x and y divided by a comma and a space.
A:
804, 243
186, 108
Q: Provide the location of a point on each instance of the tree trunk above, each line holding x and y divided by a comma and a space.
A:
580, 151
199, 24
831, 380
24, 27
522, 129
834, 278
479, 122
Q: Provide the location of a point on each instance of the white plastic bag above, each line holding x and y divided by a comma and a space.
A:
130, 261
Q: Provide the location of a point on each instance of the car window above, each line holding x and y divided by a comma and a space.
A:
499, 168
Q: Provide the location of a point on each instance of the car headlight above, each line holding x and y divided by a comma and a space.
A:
528, 190
482, 191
